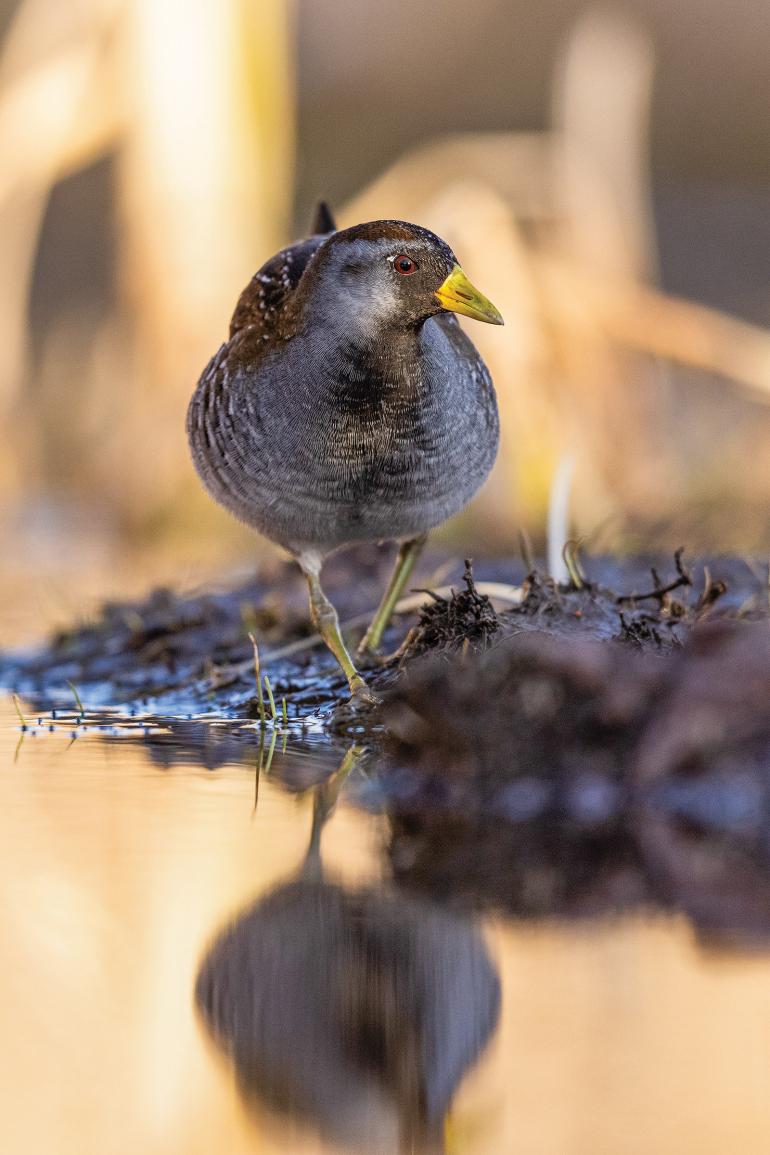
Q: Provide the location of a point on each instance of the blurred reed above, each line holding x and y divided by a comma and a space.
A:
558, 227
194, 104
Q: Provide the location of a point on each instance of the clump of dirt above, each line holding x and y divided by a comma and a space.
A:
564, 779
464, 618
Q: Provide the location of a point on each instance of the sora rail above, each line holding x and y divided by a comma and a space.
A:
348, 405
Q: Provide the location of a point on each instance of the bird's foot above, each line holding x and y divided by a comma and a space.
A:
360, 693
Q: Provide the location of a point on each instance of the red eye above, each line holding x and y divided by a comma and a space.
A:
404, 265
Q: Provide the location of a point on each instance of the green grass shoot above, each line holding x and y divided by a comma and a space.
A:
78, 702
258, 679
22, 719
269, 689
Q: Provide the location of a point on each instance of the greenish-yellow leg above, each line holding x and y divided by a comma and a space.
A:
327, 623
402, 571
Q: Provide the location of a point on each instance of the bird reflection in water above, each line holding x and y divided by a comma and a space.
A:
355, 1012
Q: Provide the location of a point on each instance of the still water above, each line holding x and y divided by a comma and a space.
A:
620, 1037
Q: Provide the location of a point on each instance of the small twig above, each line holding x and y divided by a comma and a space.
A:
661, 592
403, 649
432, 594
577, 546
712, 591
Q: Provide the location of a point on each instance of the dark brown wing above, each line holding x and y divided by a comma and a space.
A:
262, 301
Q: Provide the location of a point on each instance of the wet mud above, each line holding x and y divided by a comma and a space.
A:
599, 746
178, 655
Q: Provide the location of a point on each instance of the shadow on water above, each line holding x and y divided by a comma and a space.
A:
355, 1011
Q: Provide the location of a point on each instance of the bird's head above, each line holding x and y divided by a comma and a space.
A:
390, 274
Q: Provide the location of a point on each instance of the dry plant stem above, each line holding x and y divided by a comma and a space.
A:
661, 592
712, 592
258, 771
558, 519
639, 317
572, 562
402, 571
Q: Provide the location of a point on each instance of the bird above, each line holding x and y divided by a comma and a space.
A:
348, 405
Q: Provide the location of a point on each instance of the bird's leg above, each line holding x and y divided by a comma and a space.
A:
405, 563
328, 625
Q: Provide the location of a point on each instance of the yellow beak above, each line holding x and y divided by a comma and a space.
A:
458, 295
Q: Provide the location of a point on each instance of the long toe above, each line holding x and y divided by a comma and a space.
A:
361, 694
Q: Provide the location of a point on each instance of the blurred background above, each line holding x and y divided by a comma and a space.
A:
602, 173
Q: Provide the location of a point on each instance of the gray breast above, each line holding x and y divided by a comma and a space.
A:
321, 442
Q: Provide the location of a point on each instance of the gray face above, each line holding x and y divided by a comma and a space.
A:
381, 275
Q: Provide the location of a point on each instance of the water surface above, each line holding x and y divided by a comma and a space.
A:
620, 1036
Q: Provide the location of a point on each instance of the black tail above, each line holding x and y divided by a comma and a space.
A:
323, 221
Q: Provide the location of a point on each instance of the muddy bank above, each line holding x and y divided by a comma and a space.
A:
571, 751
189, 656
